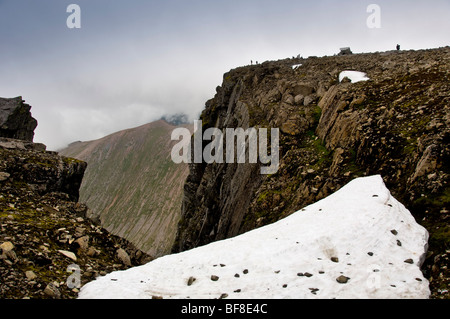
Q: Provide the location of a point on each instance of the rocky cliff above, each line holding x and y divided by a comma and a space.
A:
44, 230
396, 124
132, 186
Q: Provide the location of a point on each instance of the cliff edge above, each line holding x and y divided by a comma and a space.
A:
395, 123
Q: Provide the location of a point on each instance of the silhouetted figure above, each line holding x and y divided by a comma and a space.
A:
398, 47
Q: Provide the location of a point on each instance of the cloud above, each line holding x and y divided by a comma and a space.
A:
134, 61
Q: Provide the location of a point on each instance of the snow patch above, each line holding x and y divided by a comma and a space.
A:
359, 242
354, 76
296, 66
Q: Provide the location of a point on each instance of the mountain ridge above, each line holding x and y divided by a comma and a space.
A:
131, 185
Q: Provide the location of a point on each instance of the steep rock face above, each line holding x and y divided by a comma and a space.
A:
132, 186
16, 120
396, 125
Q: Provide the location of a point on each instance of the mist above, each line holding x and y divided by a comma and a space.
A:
132, 62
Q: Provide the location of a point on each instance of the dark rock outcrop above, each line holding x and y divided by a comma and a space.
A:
16, 120
43, 172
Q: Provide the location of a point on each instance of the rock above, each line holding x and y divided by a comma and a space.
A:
42, 172
345, 51
123, 257
308, 100
427, 163
6, 247
68, 254
335, 259
306, 274
39, 219
298, 99
16, 120
92, 252
409, 261
214, 278
79, 232
342, 279
290, 127
30, 275
8, 253
12, 144
289, 99
11, 255
314, 290
52, 291
83, 243
4, 176
191, 281
346, 80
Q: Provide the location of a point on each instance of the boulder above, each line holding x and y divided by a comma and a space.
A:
52, 291
123, 257
303, 89
16, 120
68, 254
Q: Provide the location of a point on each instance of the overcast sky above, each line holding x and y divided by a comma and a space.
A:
133, 61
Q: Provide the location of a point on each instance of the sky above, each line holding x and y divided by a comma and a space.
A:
133, 61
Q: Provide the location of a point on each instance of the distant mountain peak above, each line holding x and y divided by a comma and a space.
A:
176, 119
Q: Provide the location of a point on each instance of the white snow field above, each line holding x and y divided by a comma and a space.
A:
359, 243
354, 76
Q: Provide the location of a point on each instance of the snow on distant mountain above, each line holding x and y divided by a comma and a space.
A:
359, 242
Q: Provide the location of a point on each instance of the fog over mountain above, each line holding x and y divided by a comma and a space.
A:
132, 62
